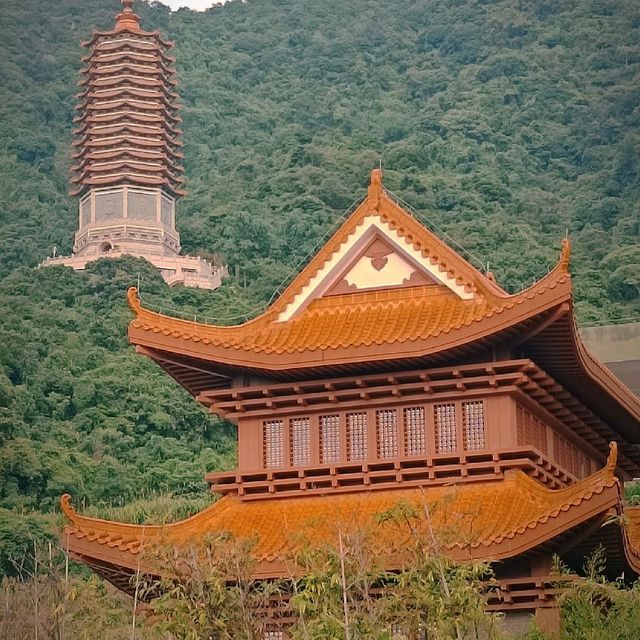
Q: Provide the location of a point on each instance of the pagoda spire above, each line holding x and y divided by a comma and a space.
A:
127, 20
127, 171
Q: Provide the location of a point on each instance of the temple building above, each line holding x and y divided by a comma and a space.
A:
127, 174
391, 370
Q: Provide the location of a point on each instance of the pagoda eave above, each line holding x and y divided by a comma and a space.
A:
506, 523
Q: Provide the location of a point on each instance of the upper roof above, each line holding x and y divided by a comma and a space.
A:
383, 287
384, 294
486, 520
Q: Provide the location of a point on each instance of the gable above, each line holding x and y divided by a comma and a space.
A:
373, 256
380, 266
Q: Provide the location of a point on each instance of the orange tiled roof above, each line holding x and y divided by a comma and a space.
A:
366, 318
330, 323
491, 520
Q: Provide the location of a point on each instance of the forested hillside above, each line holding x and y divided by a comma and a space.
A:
506, 123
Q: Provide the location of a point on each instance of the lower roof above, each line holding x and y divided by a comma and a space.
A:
490, 521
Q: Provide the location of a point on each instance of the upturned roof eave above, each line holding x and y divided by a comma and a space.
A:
552, 513
548, 294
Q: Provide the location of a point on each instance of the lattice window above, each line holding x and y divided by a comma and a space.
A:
444, 416
473, 423
330, 438
300, 441
387, 433
414, 431
567, 455
273, 438
357, 436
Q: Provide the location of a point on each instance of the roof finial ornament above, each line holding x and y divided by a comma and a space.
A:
565, 256
375, 188
612, 459
67, 507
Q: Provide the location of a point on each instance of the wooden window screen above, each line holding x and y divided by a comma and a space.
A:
273, 439
330, 438
300, 441
444, 416
414, 431
473, 422
531, 430
357, 436
387, 433
570, 457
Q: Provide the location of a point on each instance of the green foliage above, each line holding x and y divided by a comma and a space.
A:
505, 123
211, 594
346, 592
20, 536
45, 601
597, 609
80, 412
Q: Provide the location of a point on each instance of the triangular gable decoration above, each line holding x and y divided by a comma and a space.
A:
373, 255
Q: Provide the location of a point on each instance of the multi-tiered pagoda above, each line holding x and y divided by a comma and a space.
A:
391, 370
127, 172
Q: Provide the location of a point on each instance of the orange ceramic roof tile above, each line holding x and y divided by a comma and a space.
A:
329, 323
484, 520
305, 321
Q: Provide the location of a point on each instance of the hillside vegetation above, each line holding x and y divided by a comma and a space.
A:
505, 123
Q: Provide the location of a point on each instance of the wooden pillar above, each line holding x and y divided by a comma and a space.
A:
548, 618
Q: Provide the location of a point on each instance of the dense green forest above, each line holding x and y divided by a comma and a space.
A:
505, 123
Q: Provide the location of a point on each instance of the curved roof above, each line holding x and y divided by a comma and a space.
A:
454, 313
305, 327
485, 520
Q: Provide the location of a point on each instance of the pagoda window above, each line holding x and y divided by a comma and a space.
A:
300, 441
357, 435
330, 438
273, 438
85, 211
414, 431
166, 211
444, 416
474, 427
108, 205
141, 206
387, 433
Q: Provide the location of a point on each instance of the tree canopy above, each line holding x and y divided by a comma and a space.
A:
506, 124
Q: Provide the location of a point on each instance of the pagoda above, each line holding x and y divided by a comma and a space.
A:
127, 173
392, 370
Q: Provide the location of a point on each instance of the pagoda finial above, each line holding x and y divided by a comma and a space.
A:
375, 188
127, 19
